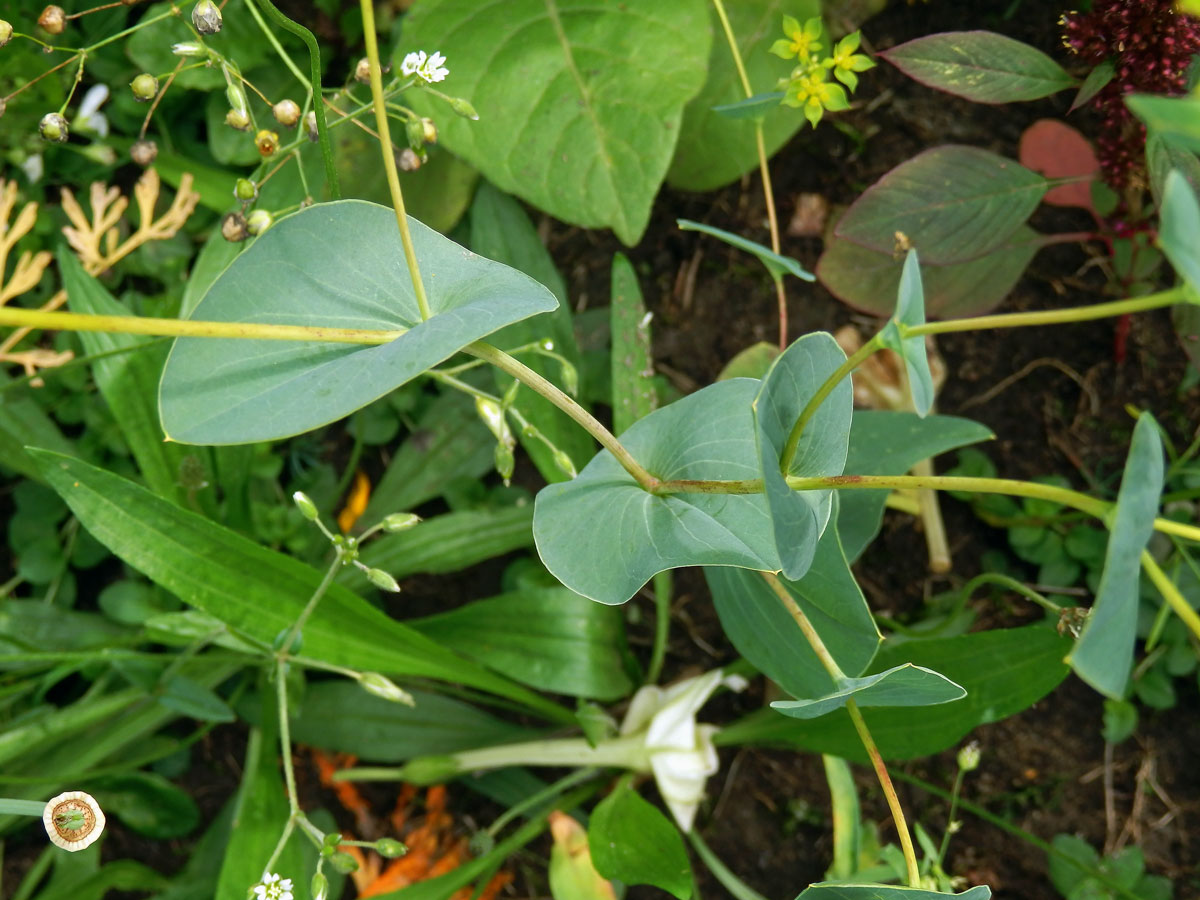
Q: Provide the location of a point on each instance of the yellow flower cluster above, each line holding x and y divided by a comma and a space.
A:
809, 86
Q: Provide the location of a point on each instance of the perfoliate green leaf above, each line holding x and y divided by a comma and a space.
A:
1103, 655
910, 311
633, 534
334, 265
799, 517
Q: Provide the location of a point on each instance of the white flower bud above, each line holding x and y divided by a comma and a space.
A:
383, 581
401, 521
380, 686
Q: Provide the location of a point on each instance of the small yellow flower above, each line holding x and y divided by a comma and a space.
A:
815, 95
845, 62
804, 40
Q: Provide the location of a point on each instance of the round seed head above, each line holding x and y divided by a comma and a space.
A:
259, 221
73, 820
145, 87
143, 152
206, 16
6, 32
233, 228
53, 128
287, 113
238, 119
53, 19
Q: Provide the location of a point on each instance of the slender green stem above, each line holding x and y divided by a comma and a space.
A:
298, 625
65, 321
763, 168
662, 624
1171, 594
579, 776
120, 35
736, 887
567, 404
285, 737
279, 51
806, 627
835, 672
1004, 825
945, 842
389, 159
314, 66
1052, 316
889, 791
810, 409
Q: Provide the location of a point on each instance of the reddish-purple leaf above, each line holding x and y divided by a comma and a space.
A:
1057, 150
952, 203
979, 65
868, 280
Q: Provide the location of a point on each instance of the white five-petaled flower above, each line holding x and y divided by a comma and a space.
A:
273, 888
682, 755
89, 117
430, 68
73, 820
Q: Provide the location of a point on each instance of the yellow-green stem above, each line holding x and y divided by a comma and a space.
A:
889, 791
810, 409
567, 404
1171, 594
65, 321
763, 168
864, 734
389, 159
1052, 316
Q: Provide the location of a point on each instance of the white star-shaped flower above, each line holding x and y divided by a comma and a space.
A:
434, 69
272, 887
412, 63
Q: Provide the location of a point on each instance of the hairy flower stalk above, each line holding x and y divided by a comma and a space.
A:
1150, 45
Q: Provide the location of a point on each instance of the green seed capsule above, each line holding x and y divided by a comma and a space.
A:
53, 128
144, 87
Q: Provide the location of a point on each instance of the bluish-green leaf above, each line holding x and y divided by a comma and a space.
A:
826, 891
255, 591
632, 842
1162, 156
980, 65
765, 633
906, 685
336, 265
1177, 118
579, 102
953, 203
799, 517
1179, 227
548, 638
631, 534
1103, 655
1004, 671
633, 391
910, 312
776, 265
890, 443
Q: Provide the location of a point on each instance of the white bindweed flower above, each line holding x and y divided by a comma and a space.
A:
73, 820
681, 751
34, 167
273, 888
89, 117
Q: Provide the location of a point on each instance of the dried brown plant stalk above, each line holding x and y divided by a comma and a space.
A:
96, 241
